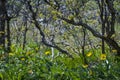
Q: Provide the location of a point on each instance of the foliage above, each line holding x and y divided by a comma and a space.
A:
33, 63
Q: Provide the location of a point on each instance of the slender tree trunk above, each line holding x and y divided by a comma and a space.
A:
103, 33
24, 35
8, 35
83, 46
2, 22
102, 8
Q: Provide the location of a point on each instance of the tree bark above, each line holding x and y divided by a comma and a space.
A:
83, 46
2, 22
8, 35
24, 35
113, 44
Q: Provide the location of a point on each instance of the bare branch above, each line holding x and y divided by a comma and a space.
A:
80, 23
44, 41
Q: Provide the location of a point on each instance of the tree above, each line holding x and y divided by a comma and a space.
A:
108, 15
57, 21
37, 25
8, 11
2, 22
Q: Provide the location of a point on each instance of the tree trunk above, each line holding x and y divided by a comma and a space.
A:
113, 44
24, 35
83, 46
8, 35
2, 22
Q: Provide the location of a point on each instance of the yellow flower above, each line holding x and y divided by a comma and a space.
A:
103, 57
114, 51
84, 65
89, 54
11, 54
22, 59
47, 52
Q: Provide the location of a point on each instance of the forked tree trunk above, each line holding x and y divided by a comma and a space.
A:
113, 44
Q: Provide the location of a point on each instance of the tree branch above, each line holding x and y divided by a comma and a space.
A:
44, 41
80, 23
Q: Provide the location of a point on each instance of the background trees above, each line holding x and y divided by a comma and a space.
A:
64, 19
105, 11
